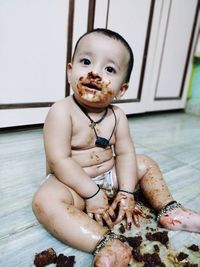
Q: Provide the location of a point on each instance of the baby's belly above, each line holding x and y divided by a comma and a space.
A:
97, 170
94, 161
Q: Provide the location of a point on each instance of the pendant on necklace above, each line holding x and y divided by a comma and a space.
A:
92, 124
102, 142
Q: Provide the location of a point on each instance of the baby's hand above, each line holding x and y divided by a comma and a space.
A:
97, 208
127, 208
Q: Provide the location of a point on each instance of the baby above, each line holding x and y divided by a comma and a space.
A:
91, 162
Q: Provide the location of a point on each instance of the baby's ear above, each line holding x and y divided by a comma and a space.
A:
122, 90
69, 72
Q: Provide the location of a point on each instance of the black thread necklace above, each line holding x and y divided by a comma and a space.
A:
100, 141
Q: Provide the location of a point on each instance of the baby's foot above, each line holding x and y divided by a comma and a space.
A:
114, 254
181, 219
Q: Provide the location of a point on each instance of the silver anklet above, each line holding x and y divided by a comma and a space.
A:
109, 236
169, 207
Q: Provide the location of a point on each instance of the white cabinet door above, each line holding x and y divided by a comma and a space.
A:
161, 34
170, 59
32, 59
131, 19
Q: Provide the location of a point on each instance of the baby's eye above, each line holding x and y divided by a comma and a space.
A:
85, 61
110, 69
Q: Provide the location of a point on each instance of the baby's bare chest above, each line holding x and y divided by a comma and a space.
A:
85, 134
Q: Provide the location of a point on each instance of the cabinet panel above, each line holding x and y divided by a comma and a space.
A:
101, 11
175, 48
32, 58
80, 19
32, 50
131, 19
20, 117
132, 24
171, 57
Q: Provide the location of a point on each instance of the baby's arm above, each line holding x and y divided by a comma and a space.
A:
126, 167
57, 141
126, 170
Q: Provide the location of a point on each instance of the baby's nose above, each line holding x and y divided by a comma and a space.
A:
94, 75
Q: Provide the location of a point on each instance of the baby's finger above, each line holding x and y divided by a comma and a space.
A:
136, 220
90, 214
120, 216
138, 210
129, 220
114, 204
108, 220
111, 213
98, 218
116, 201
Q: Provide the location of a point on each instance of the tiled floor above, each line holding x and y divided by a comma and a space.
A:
172, 139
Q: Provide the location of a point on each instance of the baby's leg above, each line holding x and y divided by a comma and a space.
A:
60, 210
114, 254
158, 195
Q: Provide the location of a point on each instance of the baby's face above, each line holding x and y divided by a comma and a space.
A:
98, 71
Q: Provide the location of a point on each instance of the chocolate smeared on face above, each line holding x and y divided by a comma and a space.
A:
93, 81
94, 88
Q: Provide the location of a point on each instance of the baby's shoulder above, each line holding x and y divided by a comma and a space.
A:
60, 109
60, 105
118, 111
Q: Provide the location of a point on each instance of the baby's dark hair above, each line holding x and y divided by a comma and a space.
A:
116, 36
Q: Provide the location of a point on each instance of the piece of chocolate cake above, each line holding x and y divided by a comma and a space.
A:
152, 260
45, 257
161, 237
122, 228
188, 264
181, 256
135, 241
137, 254
156, 248
194, 247
64, 261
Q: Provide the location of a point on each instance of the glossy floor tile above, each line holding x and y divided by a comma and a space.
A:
172, 139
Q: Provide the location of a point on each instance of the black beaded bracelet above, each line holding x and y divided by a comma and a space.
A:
128, 192
94, 193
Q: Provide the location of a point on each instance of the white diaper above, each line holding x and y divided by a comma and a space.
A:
106, 182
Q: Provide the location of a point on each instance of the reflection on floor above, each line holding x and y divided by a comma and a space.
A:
172, 139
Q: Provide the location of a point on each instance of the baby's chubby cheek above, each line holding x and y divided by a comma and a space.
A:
106, 82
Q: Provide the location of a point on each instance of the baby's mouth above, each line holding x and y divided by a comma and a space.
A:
93, 85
